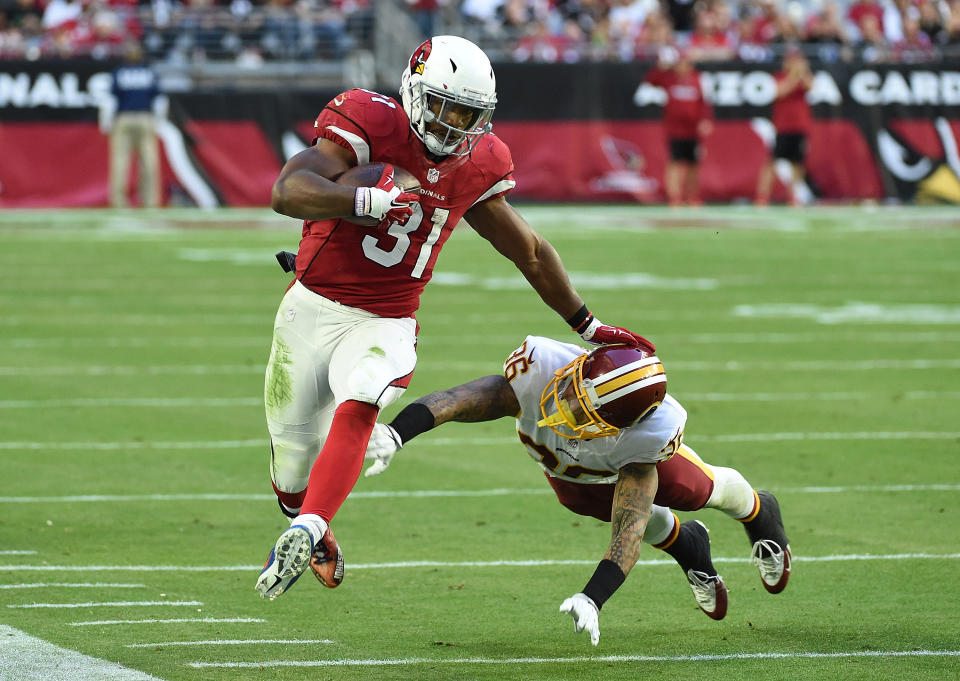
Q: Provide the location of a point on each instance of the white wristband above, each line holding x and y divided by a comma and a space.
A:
361, 202
588, 332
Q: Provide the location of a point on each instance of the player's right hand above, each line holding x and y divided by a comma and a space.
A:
598, 333
585, 614
385, 201
383, 444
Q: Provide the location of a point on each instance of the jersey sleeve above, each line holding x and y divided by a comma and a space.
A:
358, 120
530, 367
494, 162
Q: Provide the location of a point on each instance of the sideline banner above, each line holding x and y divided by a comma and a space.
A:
578, 132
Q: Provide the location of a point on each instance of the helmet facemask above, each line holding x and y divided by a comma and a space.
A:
583, 408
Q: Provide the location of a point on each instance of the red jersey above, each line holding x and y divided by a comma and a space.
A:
384, 270
685, 106
791, 113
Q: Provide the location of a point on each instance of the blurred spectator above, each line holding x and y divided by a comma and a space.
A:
543, 46
863, 10
681, 15
932, 13
627, 17
792, 120
481, 12
62, 14
687, 119
424, 13
872, 44
827, 26
915, 45
708, 43
759, 26
657, 33
129, 119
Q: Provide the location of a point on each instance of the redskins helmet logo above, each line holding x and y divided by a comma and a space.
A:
420, 56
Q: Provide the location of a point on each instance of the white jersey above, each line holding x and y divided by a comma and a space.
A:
530, 368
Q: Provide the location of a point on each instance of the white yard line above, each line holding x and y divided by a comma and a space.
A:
106, 604
776, 437
72, 585
446, 442
233, 642
15, 552
427, 493
486, 340
441, 563
28, 658
178, 620
149, 402
687, 365
231, 402
95, 446
574, 660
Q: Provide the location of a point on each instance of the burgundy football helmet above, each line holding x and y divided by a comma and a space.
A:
600, 392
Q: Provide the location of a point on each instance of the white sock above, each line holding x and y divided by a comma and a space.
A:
315, 524
660, 526
732, 494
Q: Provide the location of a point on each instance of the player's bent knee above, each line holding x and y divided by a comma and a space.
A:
290, 463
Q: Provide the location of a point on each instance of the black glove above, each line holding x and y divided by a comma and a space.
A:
287, 260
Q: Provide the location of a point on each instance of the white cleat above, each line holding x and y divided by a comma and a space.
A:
710, 592
770, 548
773, 564
289, 558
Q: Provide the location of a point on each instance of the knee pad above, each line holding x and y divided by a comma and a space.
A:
291, 460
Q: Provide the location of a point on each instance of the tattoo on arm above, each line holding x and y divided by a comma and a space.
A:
632, 505
484, 399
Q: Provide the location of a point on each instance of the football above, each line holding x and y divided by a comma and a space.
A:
367, 175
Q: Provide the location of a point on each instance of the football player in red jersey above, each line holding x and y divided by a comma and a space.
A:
610, 441
345, 334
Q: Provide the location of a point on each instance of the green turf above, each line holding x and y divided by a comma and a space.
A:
815, 351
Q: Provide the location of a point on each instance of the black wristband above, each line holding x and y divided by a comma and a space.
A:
578, 318
414, 419
606, 579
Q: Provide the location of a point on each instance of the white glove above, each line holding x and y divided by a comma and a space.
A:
384, 200
383, 444
585, 615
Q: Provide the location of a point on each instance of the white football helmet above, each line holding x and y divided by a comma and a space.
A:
449, 92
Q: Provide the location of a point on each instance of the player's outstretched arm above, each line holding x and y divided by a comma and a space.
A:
632, 505
303, 189
500, 224
484, 399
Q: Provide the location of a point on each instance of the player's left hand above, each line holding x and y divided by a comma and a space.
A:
585, 614
383, 444
599, 333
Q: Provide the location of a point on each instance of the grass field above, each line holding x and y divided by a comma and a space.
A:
815, 350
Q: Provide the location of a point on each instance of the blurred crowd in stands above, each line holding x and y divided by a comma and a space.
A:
249, 32
712, 30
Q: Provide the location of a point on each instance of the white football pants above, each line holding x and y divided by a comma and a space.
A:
324, 354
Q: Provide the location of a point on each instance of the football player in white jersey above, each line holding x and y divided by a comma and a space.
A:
610, 441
